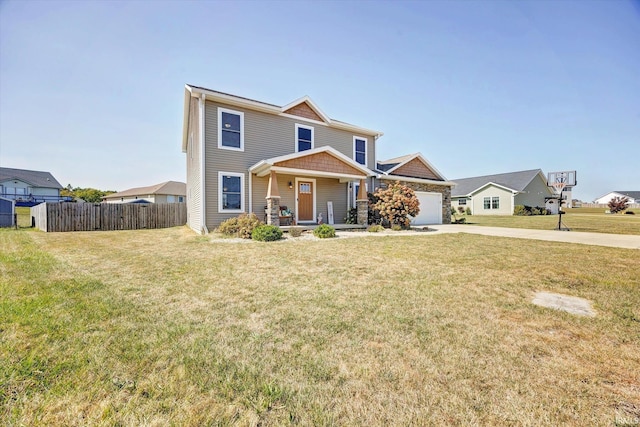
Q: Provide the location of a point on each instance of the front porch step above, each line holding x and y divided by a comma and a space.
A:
314, 226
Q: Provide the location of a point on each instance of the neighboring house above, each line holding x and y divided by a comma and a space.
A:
499, 194
247, 156
29, 188
165, 192
633, 196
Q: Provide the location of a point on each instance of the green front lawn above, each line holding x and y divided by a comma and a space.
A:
576, 219
163, 327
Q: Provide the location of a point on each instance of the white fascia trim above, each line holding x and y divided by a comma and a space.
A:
185, 117
315, 122
494, 184
314, 107
242, 195
418, 180
366, 151
298, 126
234, 100
203, 194
423, 160
310, 172
267, 108
237, 113
263, 166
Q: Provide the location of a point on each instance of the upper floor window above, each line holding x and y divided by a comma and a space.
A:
230, 129
360, 150
304, 138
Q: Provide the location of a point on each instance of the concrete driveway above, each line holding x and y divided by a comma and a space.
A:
598, 239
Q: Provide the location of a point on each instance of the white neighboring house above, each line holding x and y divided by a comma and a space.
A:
633, 196
27, 187
165, 192
499, 194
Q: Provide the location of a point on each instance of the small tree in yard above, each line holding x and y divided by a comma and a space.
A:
396, 203
618, 204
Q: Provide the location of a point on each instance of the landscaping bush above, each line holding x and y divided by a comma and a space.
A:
396, 204
266, 233
324, 231
373, 215
468, 211
396, 227
352, 216
520, 210
240, 226
295, 231
630, 213
375, 228
461, 209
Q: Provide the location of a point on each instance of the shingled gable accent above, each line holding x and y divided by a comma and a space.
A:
304, 110
323, 162
416, 169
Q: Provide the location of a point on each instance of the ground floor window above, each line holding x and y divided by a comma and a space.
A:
492, 202
230, 192
462, 202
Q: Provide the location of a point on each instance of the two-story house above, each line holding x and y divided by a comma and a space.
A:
247, 156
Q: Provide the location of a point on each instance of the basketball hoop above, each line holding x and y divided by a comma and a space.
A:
559, 186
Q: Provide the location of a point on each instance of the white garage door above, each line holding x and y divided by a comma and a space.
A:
430, 208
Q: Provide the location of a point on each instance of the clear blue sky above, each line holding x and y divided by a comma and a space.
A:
92, 91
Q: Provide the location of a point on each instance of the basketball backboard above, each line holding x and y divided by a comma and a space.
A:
559, 180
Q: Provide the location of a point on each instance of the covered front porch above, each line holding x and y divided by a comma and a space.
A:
310, 187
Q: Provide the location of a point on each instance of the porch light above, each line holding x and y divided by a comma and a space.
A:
290, 184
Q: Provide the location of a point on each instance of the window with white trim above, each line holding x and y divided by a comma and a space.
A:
360, 150
462, 202
230, 129
495, 203
487, 202
230, 192
304, 138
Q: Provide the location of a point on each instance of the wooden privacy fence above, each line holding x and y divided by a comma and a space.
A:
107, 216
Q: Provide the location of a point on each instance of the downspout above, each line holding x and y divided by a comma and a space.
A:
203, 171
250, 191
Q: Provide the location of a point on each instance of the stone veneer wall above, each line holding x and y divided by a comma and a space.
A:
445, 190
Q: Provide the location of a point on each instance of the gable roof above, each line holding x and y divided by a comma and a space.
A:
34, 178
631, 194
411, 166
514, 181
298, 108
164, 188
342, 167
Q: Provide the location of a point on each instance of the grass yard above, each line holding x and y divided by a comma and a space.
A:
163, 327
577, 219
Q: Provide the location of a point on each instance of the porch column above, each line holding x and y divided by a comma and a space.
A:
273, 201
362, 204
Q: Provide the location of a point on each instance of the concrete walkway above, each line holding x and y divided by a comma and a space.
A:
598, 239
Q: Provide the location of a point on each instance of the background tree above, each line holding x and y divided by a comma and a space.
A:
396, 203
618, 204
90, 195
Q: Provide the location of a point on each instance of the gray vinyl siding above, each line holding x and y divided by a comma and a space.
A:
194, 187
534, 194
267, 136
